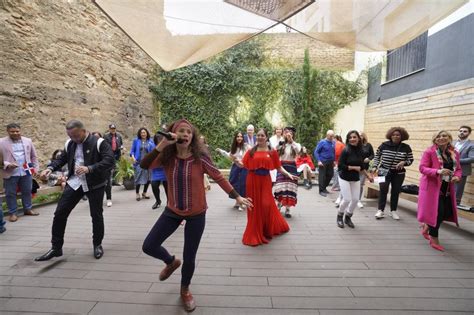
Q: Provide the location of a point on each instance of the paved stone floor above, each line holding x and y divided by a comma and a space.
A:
380, 267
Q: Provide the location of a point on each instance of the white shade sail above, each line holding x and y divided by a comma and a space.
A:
177, 33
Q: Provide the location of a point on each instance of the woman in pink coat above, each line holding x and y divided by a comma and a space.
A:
440, 169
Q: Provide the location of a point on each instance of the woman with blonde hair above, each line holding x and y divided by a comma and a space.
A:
440, 170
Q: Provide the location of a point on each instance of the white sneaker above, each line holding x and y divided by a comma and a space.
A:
360, 204
240, 208
338, 201
394, 215
109, 203
379, 214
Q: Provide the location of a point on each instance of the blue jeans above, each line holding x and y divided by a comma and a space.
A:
10, 184
2, 223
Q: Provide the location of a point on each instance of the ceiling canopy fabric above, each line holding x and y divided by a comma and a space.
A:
177, 33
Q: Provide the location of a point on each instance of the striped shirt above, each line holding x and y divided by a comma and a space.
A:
186, 194
387, 156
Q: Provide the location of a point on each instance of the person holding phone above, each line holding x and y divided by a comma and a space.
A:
390, 160
440, 169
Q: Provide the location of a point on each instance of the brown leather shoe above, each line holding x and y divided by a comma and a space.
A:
13, 218
188, 299
169, 269
31, 212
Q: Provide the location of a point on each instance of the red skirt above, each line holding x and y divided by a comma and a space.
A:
263, 220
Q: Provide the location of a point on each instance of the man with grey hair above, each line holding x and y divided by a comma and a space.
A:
89, 161
325, 154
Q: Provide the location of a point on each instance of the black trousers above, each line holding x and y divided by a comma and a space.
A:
155, 186
395, 180
69, 199
108, 188
445, 210
167, 225
460, 189
326, 172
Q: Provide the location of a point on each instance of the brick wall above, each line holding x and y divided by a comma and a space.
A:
291, 47
423, 114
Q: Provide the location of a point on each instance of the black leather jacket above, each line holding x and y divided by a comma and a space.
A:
99, 162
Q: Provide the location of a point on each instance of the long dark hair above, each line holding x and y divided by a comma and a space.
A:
197, 148
235, 144
157, 138
254, 149
147, 133
283, 147
359, 144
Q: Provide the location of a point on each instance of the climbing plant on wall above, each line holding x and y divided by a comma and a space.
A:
312, 98
220, 96
241, 86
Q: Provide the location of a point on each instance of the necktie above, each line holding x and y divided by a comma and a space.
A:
114, 143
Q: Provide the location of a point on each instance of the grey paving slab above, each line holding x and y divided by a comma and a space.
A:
372, 303
320, 273
127, 309
378, 258
462, 274
423, 283
385, 312
255, 290
31, 292
467, 283
47, 305
444, 293
70, 283
165, 299
421, 265
283, 265
381, 267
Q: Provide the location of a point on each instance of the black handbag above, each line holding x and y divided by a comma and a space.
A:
410, 189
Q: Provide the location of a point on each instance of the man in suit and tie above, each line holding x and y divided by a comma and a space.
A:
465, 147
19, 164
250, 137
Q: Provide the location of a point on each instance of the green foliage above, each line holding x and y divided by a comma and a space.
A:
38, 199
241, 86
124, 169
313, 97
220, 96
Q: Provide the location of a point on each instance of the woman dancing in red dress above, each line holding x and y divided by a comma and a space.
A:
263, 219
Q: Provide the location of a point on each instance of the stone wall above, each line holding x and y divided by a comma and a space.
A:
291, 47
63, 60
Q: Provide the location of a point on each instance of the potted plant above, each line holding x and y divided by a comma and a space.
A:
125, 173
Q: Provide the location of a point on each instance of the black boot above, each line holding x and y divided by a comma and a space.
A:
305, 183
340, 223
348, 221
98, 251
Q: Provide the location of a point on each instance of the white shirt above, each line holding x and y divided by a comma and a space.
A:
239, 154
76, 181
459, 143
250, 140
275, 140
287, 154
20, 158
